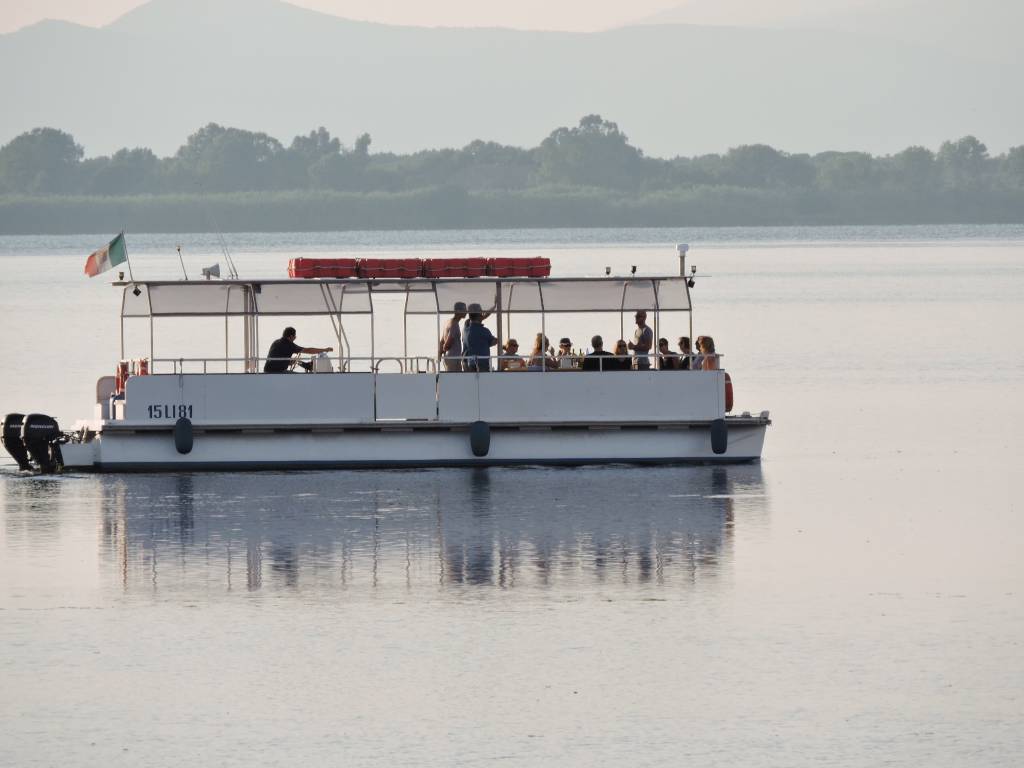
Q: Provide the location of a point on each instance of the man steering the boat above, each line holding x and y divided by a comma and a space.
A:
279, 358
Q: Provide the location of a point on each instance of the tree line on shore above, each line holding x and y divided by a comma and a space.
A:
586, 174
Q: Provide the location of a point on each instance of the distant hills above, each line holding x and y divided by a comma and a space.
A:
857, 82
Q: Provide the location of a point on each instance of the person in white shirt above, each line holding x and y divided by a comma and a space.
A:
643, 340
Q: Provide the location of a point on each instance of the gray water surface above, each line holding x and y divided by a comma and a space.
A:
856, 599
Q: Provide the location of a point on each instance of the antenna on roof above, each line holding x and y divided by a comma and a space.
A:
232, 271
681, 249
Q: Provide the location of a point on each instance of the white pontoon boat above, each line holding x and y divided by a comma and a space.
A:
185, 413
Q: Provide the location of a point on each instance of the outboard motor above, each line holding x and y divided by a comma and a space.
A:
41, 435
12, 441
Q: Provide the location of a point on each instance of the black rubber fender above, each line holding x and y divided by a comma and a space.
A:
719, 436
183, 435
480, 438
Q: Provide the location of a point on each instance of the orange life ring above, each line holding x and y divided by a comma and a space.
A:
728, 393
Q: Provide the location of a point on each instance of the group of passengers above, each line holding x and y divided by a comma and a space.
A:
466, 346
686, 359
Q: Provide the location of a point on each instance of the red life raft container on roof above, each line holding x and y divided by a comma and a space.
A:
454, 267
308, 268
527, 266
402, 268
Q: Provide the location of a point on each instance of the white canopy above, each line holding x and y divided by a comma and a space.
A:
223, 298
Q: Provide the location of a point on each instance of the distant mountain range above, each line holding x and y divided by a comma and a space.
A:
159, 72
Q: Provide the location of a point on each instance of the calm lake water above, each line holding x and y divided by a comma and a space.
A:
856, 599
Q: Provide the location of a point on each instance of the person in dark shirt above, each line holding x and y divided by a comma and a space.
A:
478, 341
281, 351
684, 353
594, 361
621, 361
667, 360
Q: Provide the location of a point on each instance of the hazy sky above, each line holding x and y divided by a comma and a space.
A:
529, 14
560, 14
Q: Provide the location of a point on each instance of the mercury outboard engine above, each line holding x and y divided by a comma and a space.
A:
41, 435
11, 439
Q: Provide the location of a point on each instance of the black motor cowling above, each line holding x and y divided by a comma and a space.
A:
12, 441
41, 436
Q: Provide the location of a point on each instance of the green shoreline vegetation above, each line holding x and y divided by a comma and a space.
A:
584, 176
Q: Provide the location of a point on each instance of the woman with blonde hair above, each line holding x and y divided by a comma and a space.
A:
542, 355
510, 359
709, 358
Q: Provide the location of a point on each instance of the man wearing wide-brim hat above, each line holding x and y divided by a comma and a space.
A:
451, 339
479, 341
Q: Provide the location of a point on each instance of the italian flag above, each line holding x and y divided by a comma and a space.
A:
107, 257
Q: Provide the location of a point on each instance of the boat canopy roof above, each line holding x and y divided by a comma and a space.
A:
220, 298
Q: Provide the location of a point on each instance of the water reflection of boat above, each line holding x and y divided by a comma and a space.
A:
506, 528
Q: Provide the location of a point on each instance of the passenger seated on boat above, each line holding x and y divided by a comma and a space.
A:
510, 359
542, 356
685, 353
479, 341
697, 360
599, 360
565, 357
667, 360
281, 351
709, 358
451, 342
621, 362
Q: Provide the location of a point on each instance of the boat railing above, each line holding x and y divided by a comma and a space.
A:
248, 365
405, 364
414, 364
574, 362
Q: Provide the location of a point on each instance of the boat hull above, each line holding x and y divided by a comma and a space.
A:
261, 448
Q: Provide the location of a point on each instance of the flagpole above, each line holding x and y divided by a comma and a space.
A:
125, 241
182, 263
